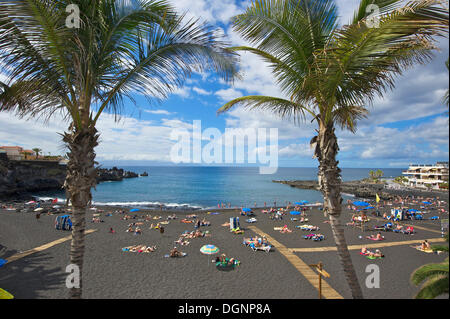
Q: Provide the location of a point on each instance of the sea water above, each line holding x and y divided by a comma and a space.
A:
207, 187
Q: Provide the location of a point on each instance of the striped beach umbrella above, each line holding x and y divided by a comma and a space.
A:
209, 250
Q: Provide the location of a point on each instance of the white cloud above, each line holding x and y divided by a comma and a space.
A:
159, 112
130, 139
292, 150
212, 11
226, 95
201, 91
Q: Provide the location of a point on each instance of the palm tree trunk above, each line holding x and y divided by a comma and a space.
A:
330, 185
81, 177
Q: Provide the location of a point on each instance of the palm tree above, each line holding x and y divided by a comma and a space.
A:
121, 48
435, 277
446, 96
36, 151
331, 73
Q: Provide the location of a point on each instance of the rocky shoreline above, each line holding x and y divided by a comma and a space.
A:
18, 179
365, 189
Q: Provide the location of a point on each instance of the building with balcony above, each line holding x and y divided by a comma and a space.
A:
427, 176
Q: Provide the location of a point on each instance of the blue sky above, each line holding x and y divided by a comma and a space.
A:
408, 125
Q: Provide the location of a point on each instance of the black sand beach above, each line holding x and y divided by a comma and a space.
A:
111, 273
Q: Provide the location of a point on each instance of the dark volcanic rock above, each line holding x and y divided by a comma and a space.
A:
113, 174
364, 189
17, 178
20, 178
145, 174
360, 189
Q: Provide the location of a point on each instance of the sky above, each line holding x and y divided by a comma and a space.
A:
409, 125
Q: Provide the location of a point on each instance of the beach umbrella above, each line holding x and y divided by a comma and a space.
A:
134, 210
412, 210
302, 202
295, 213
209, 250
365, 208
246, 210
39, 209
56, 206
30, 202
427, 203
3, 262
358, 203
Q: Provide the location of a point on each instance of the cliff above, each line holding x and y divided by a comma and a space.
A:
17, 178
20, 178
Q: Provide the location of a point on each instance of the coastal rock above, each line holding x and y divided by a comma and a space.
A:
18, 179
362, 189
145, 174
113, 174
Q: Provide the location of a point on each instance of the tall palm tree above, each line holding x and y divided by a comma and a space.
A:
121, 48
435, 277
446, 96
330, 73
36, 151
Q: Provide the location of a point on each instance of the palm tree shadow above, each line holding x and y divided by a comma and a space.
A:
30, 276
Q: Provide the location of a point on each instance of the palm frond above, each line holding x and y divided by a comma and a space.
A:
165, 57
122, 47
362, 62
382, 5
281, 107
290, 31
429, 270
433, 288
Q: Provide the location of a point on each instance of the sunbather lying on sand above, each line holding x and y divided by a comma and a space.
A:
376, 237
224, 260
376, 254
139, 249
424, 246
181, 241
175, 253
285, 229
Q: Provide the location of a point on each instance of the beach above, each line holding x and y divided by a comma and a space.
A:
110, 272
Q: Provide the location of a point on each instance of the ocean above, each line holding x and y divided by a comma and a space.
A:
182, 187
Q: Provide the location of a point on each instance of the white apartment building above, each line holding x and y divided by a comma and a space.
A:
422, 175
